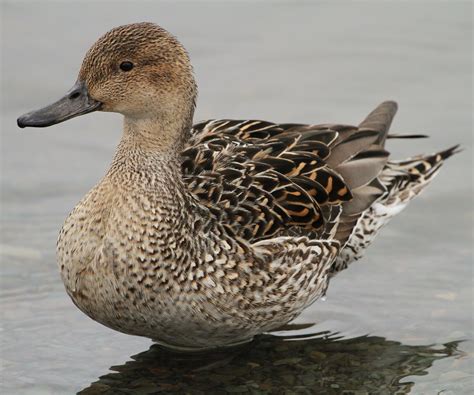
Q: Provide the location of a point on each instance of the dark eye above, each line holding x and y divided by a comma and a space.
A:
126, 66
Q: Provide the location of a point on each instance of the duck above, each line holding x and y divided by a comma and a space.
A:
206, 235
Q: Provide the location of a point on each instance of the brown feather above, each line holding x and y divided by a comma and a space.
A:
380, 120
263, 179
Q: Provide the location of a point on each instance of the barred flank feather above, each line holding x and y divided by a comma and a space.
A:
266, 180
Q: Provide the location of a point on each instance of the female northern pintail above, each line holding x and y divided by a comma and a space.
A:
204, 236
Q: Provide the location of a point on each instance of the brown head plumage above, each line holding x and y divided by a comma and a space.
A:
138, 69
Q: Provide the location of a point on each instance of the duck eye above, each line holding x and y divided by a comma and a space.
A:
126, 66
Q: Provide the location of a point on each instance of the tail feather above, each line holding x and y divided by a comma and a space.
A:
406, 136
409, 177
380, 119
431, 159
380, 188
359, 159
403, 180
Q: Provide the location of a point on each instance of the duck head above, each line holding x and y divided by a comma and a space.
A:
138, 70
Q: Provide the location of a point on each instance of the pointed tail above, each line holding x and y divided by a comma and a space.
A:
380, 120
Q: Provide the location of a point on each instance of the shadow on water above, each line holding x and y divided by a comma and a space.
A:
318, 363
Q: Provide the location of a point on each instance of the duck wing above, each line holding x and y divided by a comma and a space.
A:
262, 179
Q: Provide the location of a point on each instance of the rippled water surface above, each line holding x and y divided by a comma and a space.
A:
398, 321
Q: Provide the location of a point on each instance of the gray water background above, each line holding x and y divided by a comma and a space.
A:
286, 62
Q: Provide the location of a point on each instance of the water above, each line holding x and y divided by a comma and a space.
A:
398, 321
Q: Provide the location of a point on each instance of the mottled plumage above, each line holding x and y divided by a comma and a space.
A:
206, 235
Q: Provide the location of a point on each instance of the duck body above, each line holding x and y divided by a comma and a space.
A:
139, 254
207, 235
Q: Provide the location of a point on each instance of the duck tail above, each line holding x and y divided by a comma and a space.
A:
362, 171
403, 181
407, 178
380, 120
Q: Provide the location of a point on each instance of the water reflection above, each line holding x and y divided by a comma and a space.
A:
318, 363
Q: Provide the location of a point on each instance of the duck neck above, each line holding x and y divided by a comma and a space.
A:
149, 153
146, 170
157, 134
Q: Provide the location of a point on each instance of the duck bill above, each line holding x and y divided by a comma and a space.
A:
76, 102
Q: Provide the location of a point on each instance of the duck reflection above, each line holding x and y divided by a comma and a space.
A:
322, 363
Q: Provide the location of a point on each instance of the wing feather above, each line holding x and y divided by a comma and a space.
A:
263, 180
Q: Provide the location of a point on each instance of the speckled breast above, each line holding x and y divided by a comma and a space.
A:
129, 267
